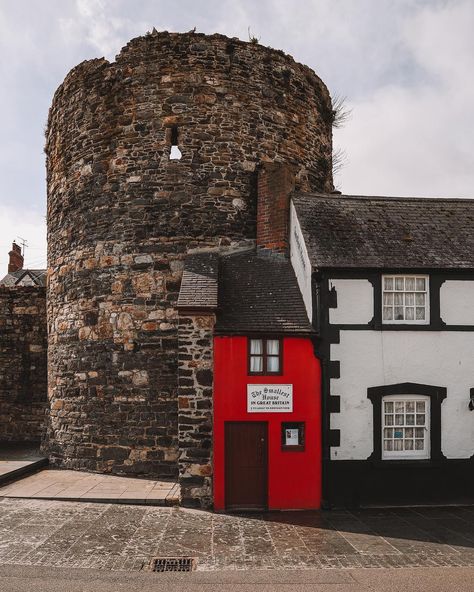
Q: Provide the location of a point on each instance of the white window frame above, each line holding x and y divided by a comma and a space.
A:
426, 320
408, 454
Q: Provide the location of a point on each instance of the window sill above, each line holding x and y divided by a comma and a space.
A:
298, 448
422, 463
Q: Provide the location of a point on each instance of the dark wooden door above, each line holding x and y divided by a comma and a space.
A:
246, 465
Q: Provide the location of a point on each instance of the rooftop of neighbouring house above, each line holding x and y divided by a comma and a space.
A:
348, 231
25, 277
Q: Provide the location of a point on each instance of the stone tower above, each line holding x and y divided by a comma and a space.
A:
122, 215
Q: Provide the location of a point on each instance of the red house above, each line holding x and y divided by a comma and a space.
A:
267, 416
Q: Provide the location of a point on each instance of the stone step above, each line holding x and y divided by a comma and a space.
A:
12, 470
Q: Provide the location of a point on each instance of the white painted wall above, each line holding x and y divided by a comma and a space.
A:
300, 261
457, 302
377, 358
355, 302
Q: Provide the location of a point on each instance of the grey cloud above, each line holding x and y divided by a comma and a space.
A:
405, 66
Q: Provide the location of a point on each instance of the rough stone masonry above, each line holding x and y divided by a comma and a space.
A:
122, 215
23, 345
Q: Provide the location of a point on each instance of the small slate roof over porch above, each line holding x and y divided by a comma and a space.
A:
346, 231
198, 289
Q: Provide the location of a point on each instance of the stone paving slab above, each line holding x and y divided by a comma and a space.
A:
90, 487
127, 537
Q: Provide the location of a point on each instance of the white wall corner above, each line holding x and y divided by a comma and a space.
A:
300, 262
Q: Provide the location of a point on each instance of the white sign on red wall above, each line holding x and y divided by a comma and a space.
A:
269, 398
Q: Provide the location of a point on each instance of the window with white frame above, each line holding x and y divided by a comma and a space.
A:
265, 356
405, 427
405, 299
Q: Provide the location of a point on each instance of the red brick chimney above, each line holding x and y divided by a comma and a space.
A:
16, 258
276, 181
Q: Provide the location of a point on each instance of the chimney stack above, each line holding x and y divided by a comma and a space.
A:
276, 181
16, 258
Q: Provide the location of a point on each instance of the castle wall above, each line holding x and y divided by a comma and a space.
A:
122, 215
23, 390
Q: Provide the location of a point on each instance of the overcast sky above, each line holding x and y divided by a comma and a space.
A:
405, 66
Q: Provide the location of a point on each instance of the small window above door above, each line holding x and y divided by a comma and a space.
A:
265, 356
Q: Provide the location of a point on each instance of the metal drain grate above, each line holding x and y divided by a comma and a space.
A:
173, 564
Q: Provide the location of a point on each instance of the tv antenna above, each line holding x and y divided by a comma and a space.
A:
24, 244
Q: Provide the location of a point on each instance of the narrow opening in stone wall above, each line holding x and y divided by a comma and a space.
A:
175, 152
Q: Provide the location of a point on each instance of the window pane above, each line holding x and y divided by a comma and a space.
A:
388, 406
409, 299
399, 313
388, 433
273, 347
420, 299
388, 445
388, 299
419, 433
399, 283
420, 419
398, 299
408, 444
420, 406
399, 420
256, 346
398, 444
410, 419
256, 364
419, 444
409, 284
410, 313
273, 364
389, 420
387, 313
410, 406
409, 433
399, 406
420, 284
388, 283
420, 314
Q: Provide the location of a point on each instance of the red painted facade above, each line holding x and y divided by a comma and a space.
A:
294, 477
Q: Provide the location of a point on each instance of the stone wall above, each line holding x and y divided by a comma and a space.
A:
122, 215
23, 340
195, 380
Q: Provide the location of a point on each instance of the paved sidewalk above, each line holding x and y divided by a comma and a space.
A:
91, 487
122, 537
44, 579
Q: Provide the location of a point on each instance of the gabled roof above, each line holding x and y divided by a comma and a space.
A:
199, 282
346, 231
25, 277
259, 294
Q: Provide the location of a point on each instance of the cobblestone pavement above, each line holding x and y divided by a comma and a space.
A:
121, 537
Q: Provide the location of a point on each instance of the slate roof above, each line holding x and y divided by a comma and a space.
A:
344, 231
259, 294
25, 277
199, 282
